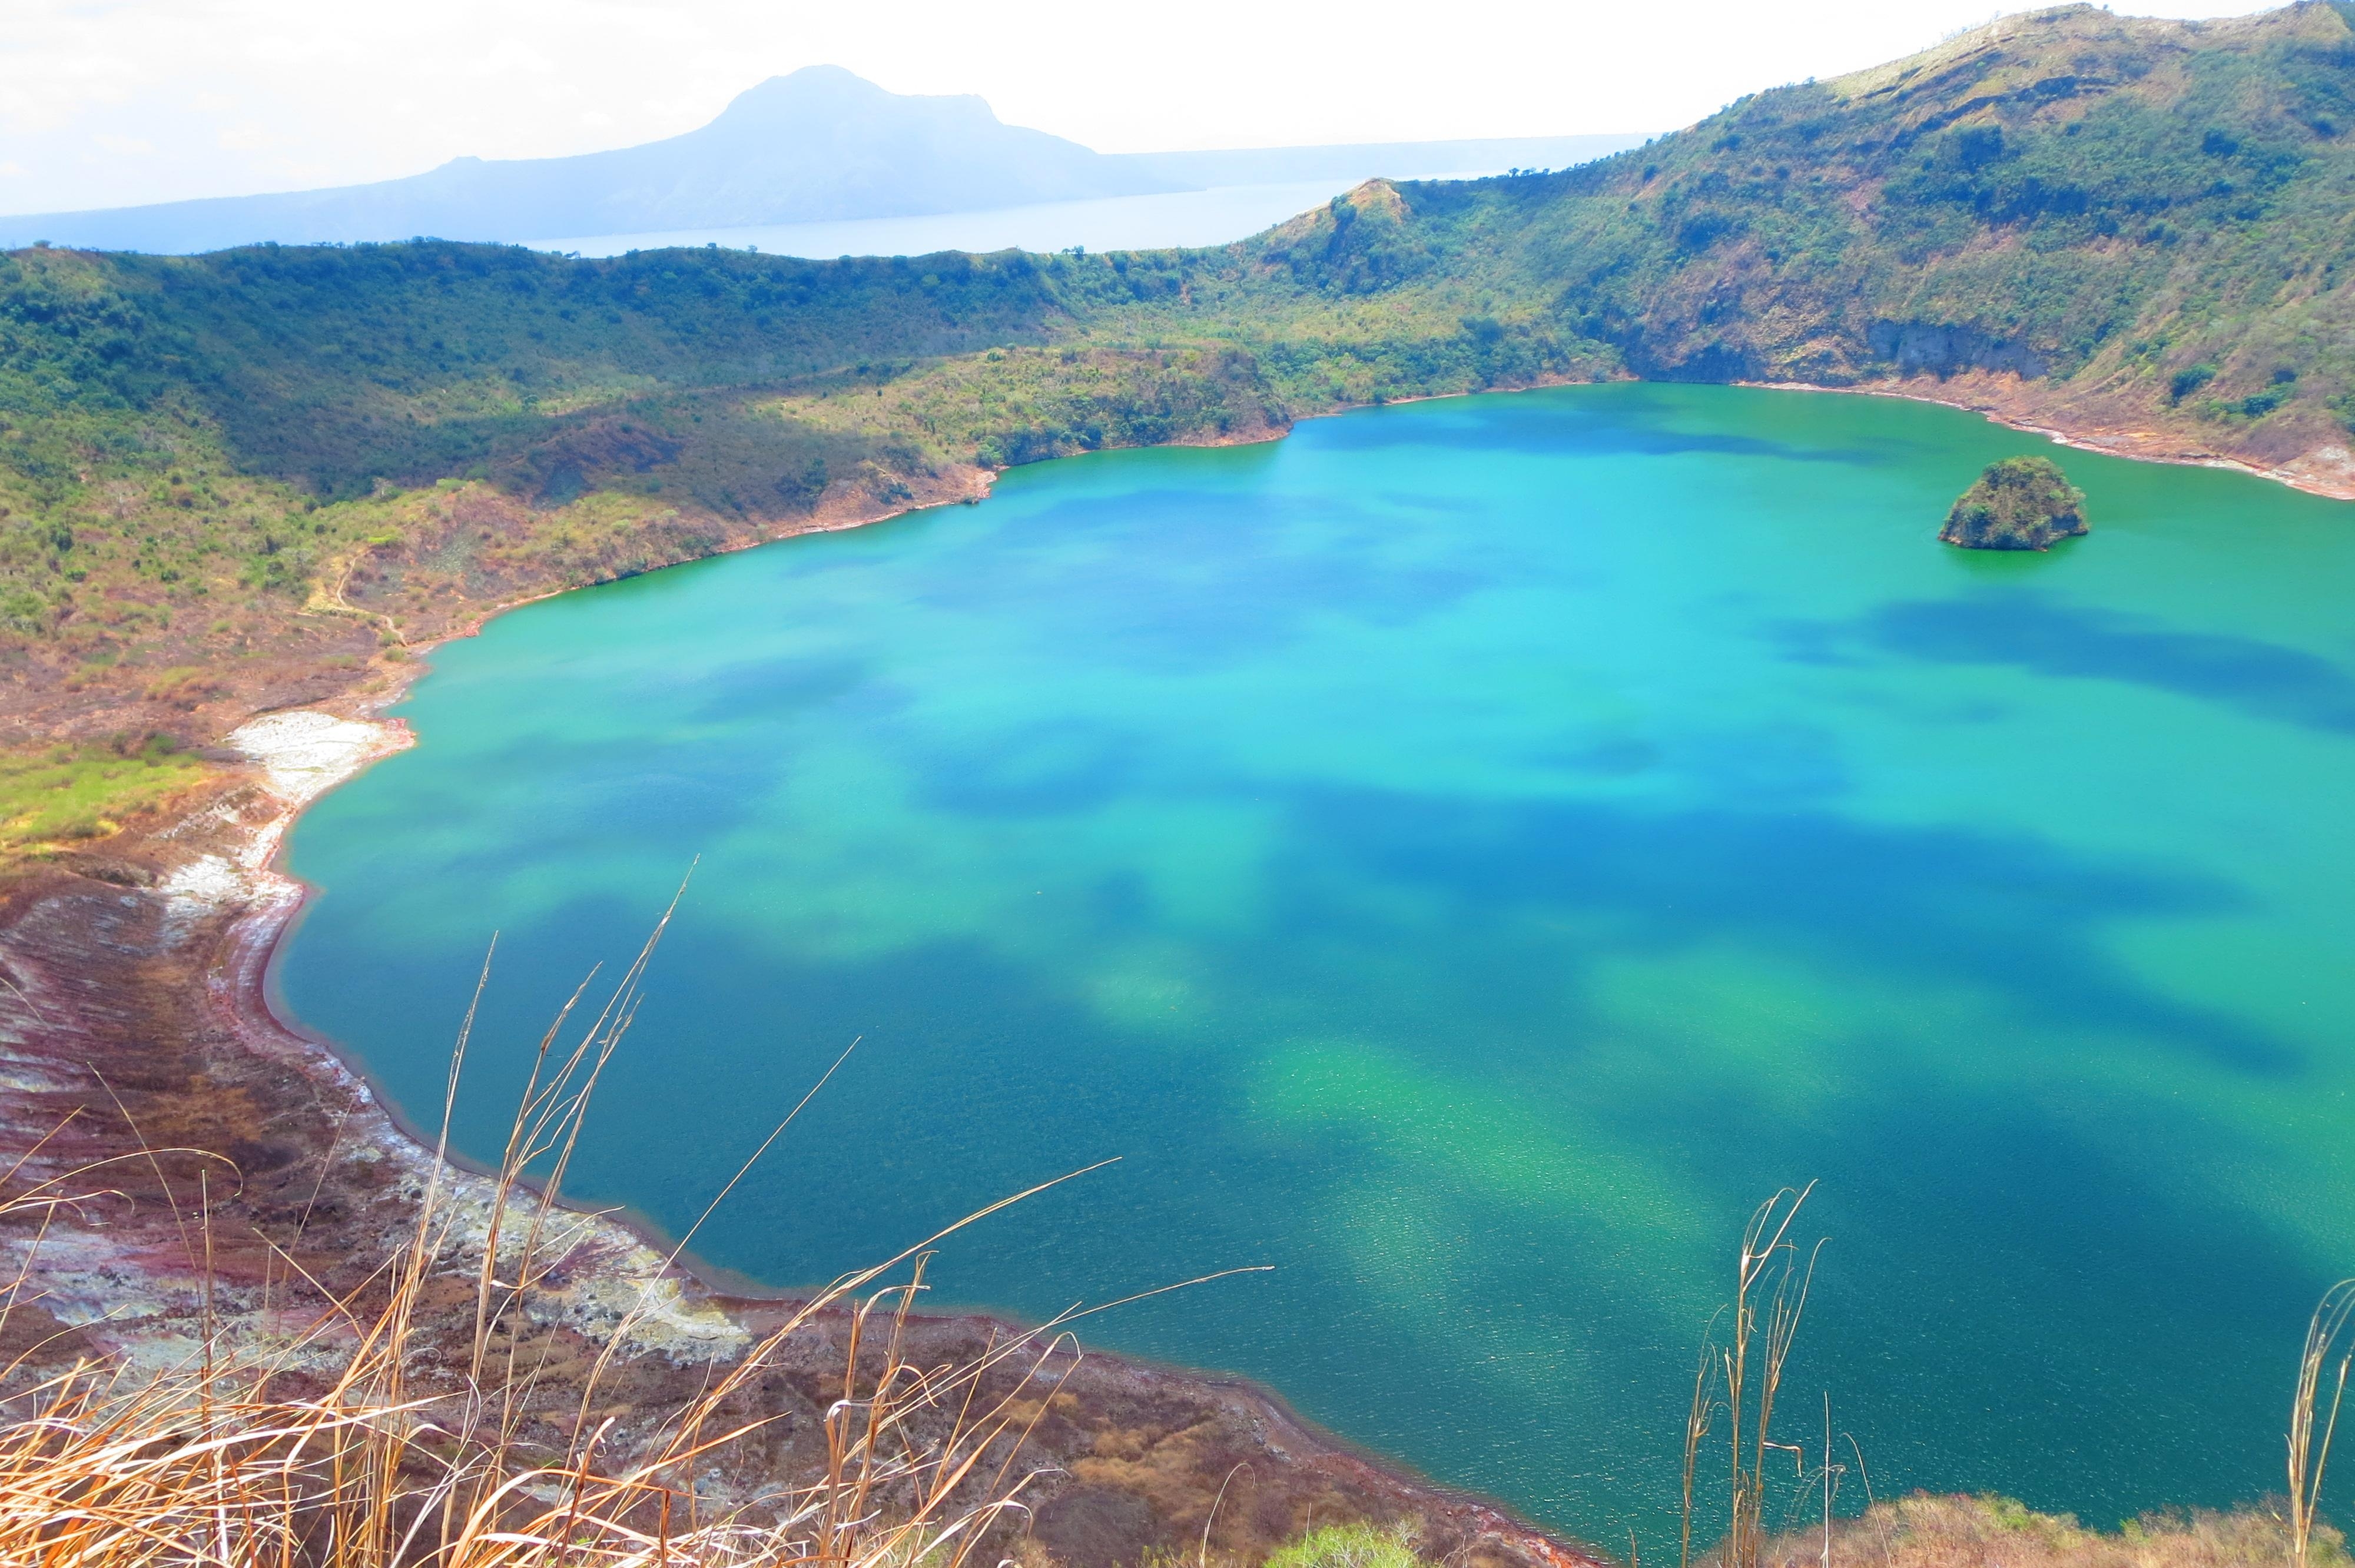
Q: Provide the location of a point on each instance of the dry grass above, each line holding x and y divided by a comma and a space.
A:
208, 1466
2331, 1333
1925, 1531
233, 1460
1742, 1379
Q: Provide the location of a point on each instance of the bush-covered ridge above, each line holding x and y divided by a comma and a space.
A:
268, 465
2166, 208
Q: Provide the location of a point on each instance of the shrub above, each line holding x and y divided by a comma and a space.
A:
1357, 1545
2187, 381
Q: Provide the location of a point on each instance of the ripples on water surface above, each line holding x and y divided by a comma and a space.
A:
1466, 855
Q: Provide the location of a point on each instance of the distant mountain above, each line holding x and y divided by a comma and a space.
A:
820, 143
816, 145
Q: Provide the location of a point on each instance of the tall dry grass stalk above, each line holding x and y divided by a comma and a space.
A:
2309, 1452
1743, 1377
377, 1463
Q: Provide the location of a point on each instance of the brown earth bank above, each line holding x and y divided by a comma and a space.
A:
246, 1178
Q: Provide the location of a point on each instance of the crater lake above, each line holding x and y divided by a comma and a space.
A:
1466, 855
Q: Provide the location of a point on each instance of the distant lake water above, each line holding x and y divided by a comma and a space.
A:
1466, 855
1109, 222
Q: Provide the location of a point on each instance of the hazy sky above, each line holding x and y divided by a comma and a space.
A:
110, 101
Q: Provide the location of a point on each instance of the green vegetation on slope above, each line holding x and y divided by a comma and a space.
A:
63, 794
2165, 210
274, 459
270, 463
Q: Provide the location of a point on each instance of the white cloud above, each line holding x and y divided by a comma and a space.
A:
220, 90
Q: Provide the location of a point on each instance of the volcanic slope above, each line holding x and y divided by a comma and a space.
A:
242, 478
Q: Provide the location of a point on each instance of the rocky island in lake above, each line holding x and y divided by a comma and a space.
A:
2019, 503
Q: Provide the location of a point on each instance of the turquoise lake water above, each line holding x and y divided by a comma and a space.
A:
1466, 855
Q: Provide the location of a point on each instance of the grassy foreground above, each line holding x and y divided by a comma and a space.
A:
359, 1440
318, 1429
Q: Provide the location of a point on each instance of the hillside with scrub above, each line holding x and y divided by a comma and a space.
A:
255, 477
247, 1319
